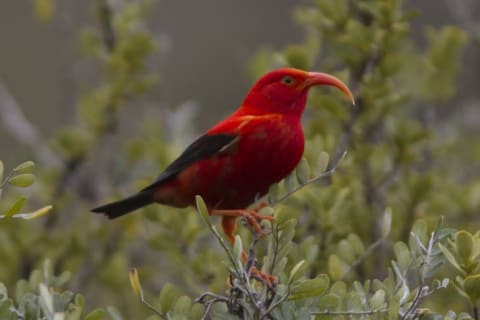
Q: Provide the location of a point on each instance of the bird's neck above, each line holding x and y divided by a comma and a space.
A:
261, 105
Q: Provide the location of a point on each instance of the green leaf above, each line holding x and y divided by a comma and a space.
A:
377, 301
345, 251
386, 222
22, 180
323, 160
97, 314
309, 288
267, 211
47, 299
297, 271
464, 244
15, 208
290, 182
449, 256
202, 209
471, 285
354, 300
32, 215
182, 306
25, 167
284, 217
402, 253
196, 311
303, 171
339, 288
273, 193
336, 267
167, 298
330, 302
356, 243
237, 249
2, 170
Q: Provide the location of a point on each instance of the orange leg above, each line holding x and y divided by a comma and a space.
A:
251, 216
229, 225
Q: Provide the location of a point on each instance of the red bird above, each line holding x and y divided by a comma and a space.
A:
237, 160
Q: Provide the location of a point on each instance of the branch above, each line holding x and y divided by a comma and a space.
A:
322, 175
347, 133
105, 17
412, 311
75, 166
348, 313
366, 253
22, 130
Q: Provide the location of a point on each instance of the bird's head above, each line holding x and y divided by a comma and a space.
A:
285, 91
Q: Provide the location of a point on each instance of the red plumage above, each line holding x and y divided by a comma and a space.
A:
237, 160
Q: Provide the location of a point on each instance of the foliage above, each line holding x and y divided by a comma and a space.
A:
40, 297
21, 177
356, 231
464, 255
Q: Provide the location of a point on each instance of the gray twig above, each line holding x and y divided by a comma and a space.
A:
22, 130
348, 313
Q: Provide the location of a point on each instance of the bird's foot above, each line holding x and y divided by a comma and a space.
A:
267, 279
252, 217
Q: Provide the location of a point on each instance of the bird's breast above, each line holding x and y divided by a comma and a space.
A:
266, 153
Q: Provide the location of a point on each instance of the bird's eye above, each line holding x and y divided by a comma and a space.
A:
288, 80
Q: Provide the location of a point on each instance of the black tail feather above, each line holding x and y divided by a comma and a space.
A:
127, 205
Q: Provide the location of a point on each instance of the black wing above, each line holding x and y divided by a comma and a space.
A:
202, 148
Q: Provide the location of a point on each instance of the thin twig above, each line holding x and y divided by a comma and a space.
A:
365, 254
347, 133
427, 261
105, 17
208, 308
251, 258
151, 307
317, 178
6, 180
390, 176
276, 304
346, 137
276, 241
208, 294
209, 304
347, 313
22, 130
411, 312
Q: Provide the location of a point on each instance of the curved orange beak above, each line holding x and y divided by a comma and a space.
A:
320, 78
